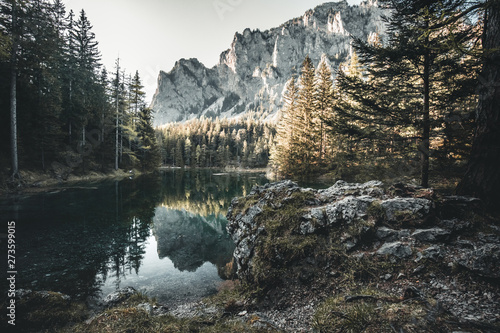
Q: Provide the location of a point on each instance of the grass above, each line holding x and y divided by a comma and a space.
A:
54, 312
371, 311
38, 311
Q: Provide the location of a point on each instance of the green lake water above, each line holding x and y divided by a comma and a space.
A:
163, 234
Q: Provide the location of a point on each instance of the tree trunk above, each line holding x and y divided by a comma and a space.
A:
13, 96
482, 178
426, 125
116, 136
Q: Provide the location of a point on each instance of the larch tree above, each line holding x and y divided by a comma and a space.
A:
281, 156
323, 105
305, 121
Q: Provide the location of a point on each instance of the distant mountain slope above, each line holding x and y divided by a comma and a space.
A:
251, 74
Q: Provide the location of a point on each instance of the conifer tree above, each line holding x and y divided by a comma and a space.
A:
404, 72
305, 121
323, 106
148, 147
281, 156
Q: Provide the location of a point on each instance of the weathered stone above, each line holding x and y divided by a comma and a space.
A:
484, 260
146, 307
342, 188
118, 296
396, 249
415, 206
432, 252
314, 219
457, 206
391, 235
455, 225
431, 235
347, 210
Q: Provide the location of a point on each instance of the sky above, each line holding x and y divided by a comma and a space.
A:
151, 35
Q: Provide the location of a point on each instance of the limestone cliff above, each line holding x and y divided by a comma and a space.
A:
252, 73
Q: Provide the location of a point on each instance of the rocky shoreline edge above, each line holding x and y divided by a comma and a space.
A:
350, 258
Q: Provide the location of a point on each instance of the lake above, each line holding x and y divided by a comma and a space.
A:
163, 234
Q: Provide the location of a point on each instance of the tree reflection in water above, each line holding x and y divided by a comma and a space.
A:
78, 241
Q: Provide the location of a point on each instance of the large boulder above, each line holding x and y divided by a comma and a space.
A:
281, 225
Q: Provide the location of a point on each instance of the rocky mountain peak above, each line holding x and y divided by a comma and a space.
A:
252, 73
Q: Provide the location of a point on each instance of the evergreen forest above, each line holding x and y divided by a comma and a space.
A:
420, 100
68, 113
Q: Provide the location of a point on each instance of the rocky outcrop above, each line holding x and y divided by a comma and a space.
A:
401, 240
252, 73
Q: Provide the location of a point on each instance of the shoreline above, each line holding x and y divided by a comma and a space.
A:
39, 182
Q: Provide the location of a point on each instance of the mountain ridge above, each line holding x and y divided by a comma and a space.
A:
251, 74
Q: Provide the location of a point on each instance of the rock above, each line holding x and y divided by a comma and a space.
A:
483, 260
414, 206
396, 249
391, 235
314, 219
455, 225
433, 252
457, 206
342, 188
146, 307
347, 210
118, 297
431, 235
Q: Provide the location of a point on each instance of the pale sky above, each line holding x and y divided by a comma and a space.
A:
151, 35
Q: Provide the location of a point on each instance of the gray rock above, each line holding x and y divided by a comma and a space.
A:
313, 220
431, 235
391, 235
396, 249
433, 252
415, 206
118, 296
146, 307
342, 188
484, 260
347, 210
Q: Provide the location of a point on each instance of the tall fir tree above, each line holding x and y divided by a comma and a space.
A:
407, 71
307, 132
281, 156
324, 112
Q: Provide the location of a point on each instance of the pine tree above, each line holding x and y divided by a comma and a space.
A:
403, 73
148, 147
281, 156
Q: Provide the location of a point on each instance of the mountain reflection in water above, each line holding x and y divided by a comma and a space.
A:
162, 234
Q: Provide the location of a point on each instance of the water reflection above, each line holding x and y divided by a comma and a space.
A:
190, 240
163, 234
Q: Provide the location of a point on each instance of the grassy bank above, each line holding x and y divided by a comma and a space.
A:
38, 182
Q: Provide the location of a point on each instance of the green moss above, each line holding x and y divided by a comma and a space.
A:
281, 245
244, 203
376, 212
